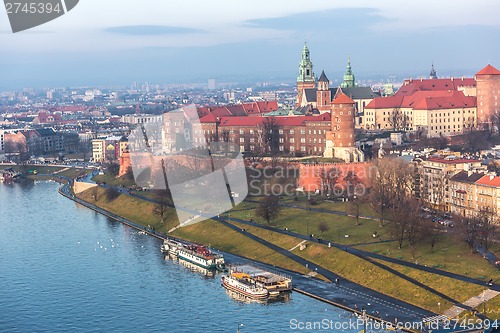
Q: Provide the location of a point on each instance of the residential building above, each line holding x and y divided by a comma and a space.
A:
435, 174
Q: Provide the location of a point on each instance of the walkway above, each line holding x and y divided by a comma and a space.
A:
472, 302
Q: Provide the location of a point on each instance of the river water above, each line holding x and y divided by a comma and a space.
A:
65, 268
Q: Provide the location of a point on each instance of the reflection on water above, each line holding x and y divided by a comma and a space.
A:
209, 273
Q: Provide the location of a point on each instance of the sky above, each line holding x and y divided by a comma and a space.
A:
115, 42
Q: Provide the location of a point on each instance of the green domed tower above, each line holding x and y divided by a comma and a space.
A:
306, 78
349, 78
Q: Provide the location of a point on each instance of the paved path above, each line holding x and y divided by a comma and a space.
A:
472, 302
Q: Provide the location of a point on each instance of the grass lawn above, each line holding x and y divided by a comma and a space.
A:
74, 172
449, 255
346, 207
39, 168
306, 222
113, 180
458, 290
133, 209
492, 308
371, 276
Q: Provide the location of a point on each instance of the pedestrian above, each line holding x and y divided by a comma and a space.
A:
490, 282
337, 281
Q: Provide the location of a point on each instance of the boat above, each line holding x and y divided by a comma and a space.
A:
171, 247
276, 284
242, 284
201, 256
195, 254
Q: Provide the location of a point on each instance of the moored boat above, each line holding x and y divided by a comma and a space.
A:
242, 283
201, 256
195, 254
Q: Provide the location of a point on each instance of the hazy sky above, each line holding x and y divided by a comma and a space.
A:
120, 41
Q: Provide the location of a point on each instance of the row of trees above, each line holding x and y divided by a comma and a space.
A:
392, 197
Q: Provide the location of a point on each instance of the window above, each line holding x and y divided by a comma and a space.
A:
251, 131
282, 140
242, 140
302, 131
292, 140
292, 131
281, 131
252, 140
302, 140
281, 148
292, 148
242, 131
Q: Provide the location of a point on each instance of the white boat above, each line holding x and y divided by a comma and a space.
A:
195, 254
242, 283
201, 256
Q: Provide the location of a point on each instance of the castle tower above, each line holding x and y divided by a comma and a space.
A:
433, 74
306, 78
340, 140
323, 94
488, 95
349, 78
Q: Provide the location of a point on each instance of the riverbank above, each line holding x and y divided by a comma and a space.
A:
379, 307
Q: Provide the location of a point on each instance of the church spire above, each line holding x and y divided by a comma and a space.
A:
306, 73
349, 78
433, 74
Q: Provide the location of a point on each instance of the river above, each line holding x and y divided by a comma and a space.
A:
65, 268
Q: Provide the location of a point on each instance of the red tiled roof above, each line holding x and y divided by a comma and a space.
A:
451, 161
385, 102
280, 121
342, 99
488, 70
456, 100
489, 181
209, 118
411, 86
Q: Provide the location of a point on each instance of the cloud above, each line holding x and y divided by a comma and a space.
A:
150, 30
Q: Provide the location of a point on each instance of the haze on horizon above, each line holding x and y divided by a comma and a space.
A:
117, 42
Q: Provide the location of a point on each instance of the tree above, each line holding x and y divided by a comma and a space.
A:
322, 227
328, 180
390, 186
468, 231
95, 192
355, 193
486, 222
112, 194
270, 135
397, 120
431, 231
269, 208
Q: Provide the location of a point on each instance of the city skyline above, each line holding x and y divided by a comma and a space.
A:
188, 42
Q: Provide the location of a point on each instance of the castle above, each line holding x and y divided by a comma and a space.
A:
340, 138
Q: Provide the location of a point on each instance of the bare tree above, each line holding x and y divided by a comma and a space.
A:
95, 192
486, 222
269, 208
322, 227
328, 180
353, 193
468, 231
432, 232
397, 120
270, 135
